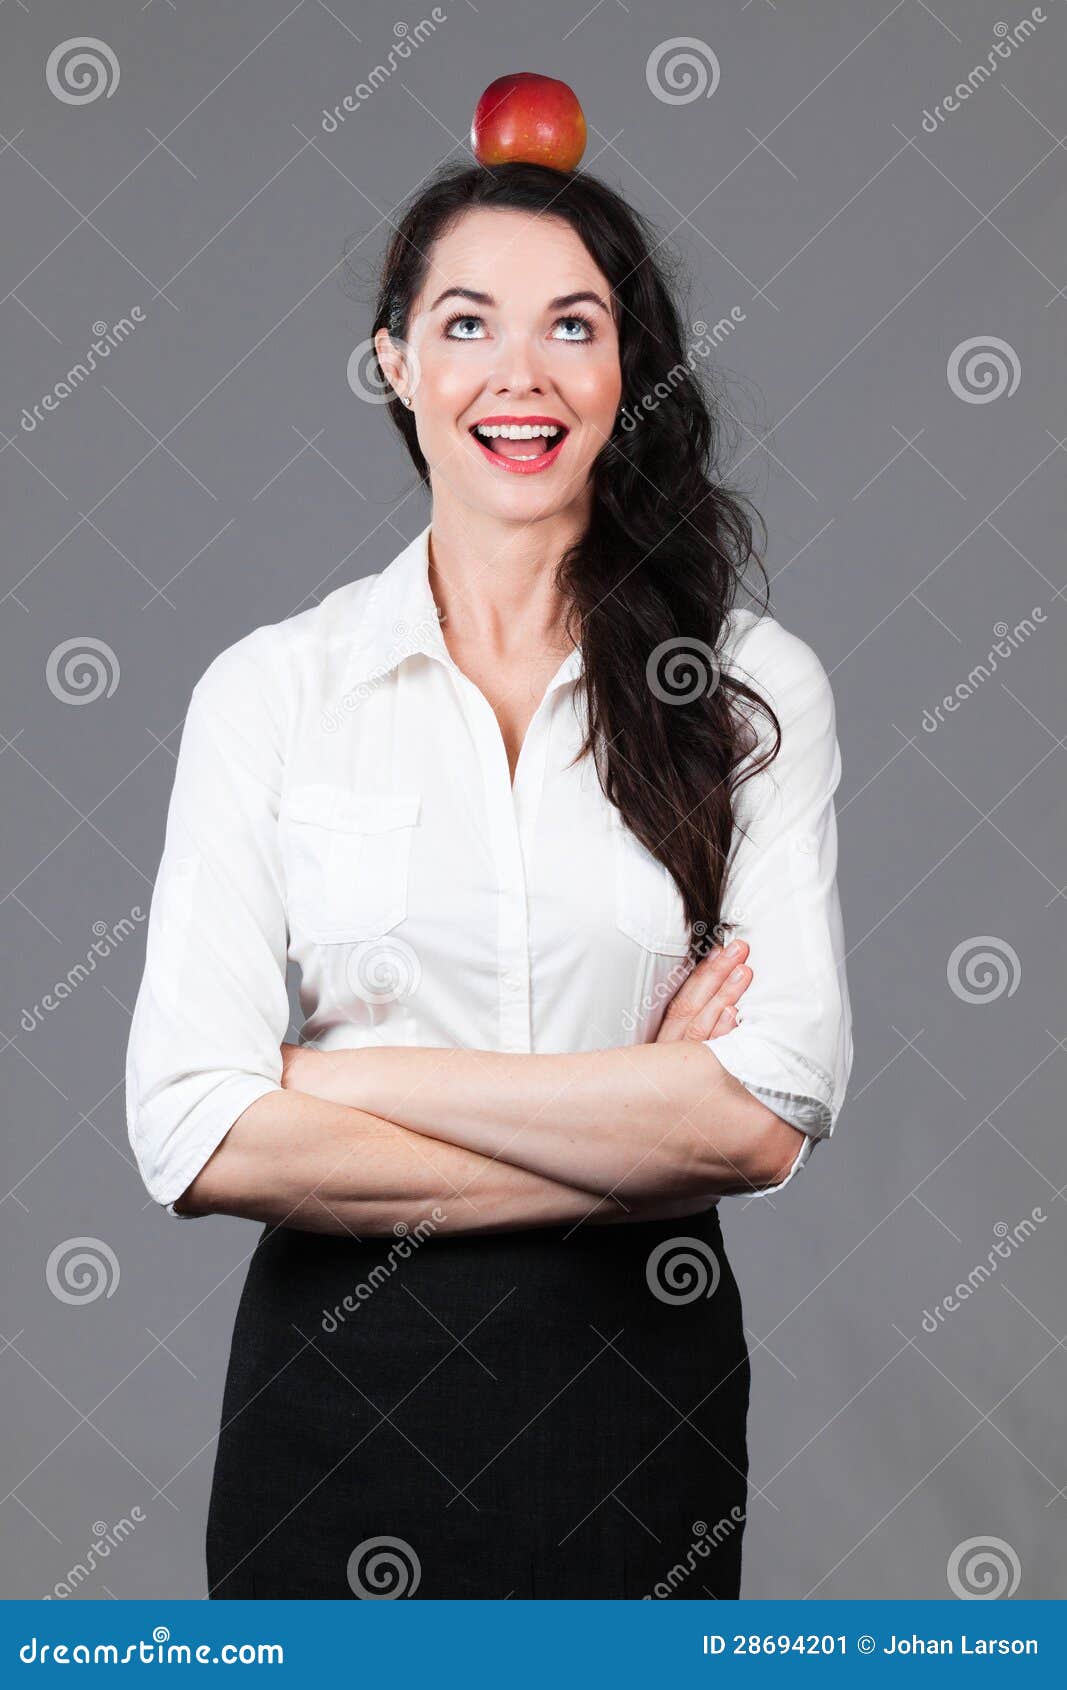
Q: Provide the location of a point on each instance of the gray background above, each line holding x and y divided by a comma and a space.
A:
218, 473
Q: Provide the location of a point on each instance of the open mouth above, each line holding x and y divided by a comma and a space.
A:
522, 447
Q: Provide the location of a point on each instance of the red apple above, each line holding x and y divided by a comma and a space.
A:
530, 119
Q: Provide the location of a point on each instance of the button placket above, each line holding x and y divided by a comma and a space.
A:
523, 805
513, 954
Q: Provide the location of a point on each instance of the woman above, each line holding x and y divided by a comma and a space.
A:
489, 1343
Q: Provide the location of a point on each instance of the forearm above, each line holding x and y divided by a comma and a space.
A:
319, 1166
649, 1120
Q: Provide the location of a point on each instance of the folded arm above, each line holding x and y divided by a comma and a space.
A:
294, 1160
647, 1120
319, 1164
643, 1121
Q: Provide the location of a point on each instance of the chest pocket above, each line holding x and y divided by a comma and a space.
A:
347, 858
648, 904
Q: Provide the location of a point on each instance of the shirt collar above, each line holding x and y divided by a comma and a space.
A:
400, 620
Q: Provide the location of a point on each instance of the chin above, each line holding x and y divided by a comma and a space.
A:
526, 504
523, 498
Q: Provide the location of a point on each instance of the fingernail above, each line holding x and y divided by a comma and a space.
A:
737, 974
735, 949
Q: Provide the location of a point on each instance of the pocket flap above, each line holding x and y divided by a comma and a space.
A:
649, 907
324, 805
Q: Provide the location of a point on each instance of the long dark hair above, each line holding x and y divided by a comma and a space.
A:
650, 582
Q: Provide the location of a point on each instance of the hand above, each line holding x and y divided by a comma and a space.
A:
330, 1075
295, 1062
703, 1006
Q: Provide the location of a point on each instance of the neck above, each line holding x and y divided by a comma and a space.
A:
494, 582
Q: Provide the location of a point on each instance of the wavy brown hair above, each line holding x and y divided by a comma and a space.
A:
651, 581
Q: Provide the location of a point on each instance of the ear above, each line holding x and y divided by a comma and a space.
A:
392, 358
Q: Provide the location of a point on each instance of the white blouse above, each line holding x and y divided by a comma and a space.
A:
343, 798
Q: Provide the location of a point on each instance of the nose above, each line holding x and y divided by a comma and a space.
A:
518, 370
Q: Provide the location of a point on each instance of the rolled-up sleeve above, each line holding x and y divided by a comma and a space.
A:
212, 1009
792, 1047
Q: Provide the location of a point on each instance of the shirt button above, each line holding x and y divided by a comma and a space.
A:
512, 981
807, 843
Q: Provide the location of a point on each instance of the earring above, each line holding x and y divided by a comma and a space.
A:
404, 400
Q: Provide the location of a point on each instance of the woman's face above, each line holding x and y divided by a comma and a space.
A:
513, 327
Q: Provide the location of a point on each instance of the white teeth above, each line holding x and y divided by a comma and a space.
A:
516, 431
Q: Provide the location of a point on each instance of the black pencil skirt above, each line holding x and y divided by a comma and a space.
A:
549, 1413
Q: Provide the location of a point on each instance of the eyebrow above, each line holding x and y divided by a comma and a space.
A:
560, 303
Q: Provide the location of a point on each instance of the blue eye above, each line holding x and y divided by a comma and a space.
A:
582, 324
576, 330
453, 322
